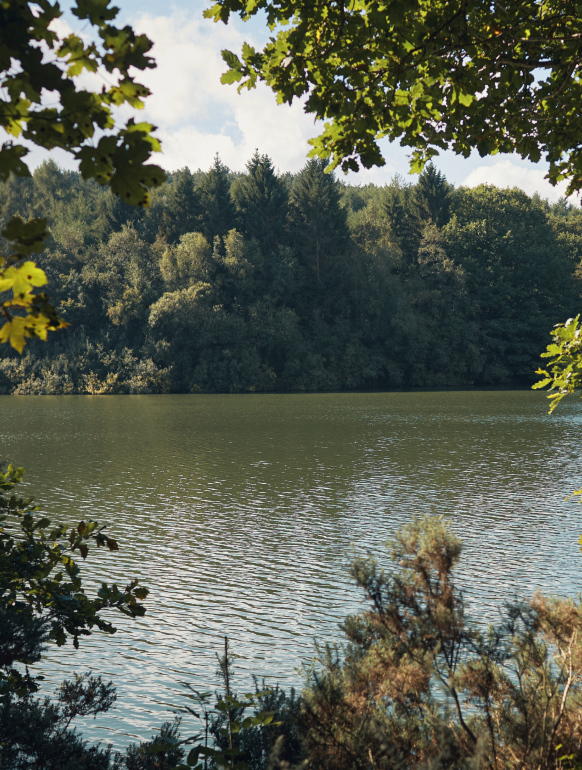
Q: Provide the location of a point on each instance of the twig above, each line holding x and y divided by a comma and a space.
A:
228, 698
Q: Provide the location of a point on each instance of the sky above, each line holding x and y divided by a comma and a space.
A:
196, 116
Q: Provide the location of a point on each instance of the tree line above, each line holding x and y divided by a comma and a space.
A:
260, 281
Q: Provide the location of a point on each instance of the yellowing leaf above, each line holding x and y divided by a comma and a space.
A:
465, 99
15, 332
32, 274
6, 282
22, 279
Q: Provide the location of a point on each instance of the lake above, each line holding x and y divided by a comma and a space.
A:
241, 513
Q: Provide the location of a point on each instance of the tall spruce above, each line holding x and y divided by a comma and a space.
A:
431, 197
403, 223
16, 198
218, 210
262, 201
182, 213
115, 213
318, 223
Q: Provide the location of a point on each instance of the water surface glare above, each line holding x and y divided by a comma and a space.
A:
239, 513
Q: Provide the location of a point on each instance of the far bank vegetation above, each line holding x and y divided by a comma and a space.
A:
260, 281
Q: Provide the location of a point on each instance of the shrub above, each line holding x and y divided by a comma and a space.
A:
420, 685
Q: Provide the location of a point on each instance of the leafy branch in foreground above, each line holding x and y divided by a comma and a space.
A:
41, 594
434, 75
564, 372
36, 59
565, 368
27, 314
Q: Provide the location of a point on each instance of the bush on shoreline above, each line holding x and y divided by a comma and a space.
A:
416, 685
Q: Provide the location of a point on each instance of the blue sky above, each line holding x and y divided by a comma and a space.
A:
197, 116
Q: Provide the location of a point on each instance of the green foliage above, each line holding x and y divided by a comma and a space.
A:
36, 733
430, 73
318, 223
515, 271
27, 313
41, 593
162, 752
315, 285
182, 213
565, 367
117, 160
241, 740
431, 197
42, 601
218, 211
34, 59
187, 263
83, 369
261, 198
420, 685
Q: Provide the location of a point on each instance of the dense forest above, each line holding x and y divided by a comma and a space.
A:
259, 281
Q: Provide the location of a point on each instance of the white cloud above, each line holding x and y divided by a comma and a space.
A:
197, 116
505, 173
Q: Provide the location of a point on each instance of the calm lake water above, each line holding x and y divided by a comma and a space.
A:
240, 514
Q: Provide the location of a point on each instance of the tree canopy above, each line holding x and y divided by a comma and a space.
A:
294, 282
432, 74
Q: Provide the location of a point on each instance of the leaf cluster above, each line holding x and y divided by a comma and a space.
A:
564, 373
37, 732
227, 719
432, 74
36, 60
27, 314
42, 598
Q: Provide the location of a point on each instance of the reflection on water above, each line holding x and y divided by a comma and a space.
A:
240, 512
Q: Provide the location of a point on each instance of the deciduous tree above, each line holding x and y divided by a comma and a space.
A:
432, 74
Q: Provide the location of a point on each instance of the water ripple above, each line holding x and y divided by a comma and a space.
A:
240, 513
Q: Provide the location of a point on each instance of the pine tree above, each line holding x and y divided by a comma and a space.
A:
182, 213
262, 201
431, 197
403, 223
52, 186
16, 198
218, 211
114, 213
319, 224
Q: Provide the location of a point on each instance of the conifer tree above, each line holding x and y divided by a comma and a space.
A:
431, 197
262, 202
420, 685
404, 225
182, 213
218, 211
16, 197
319, 224
114, 213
